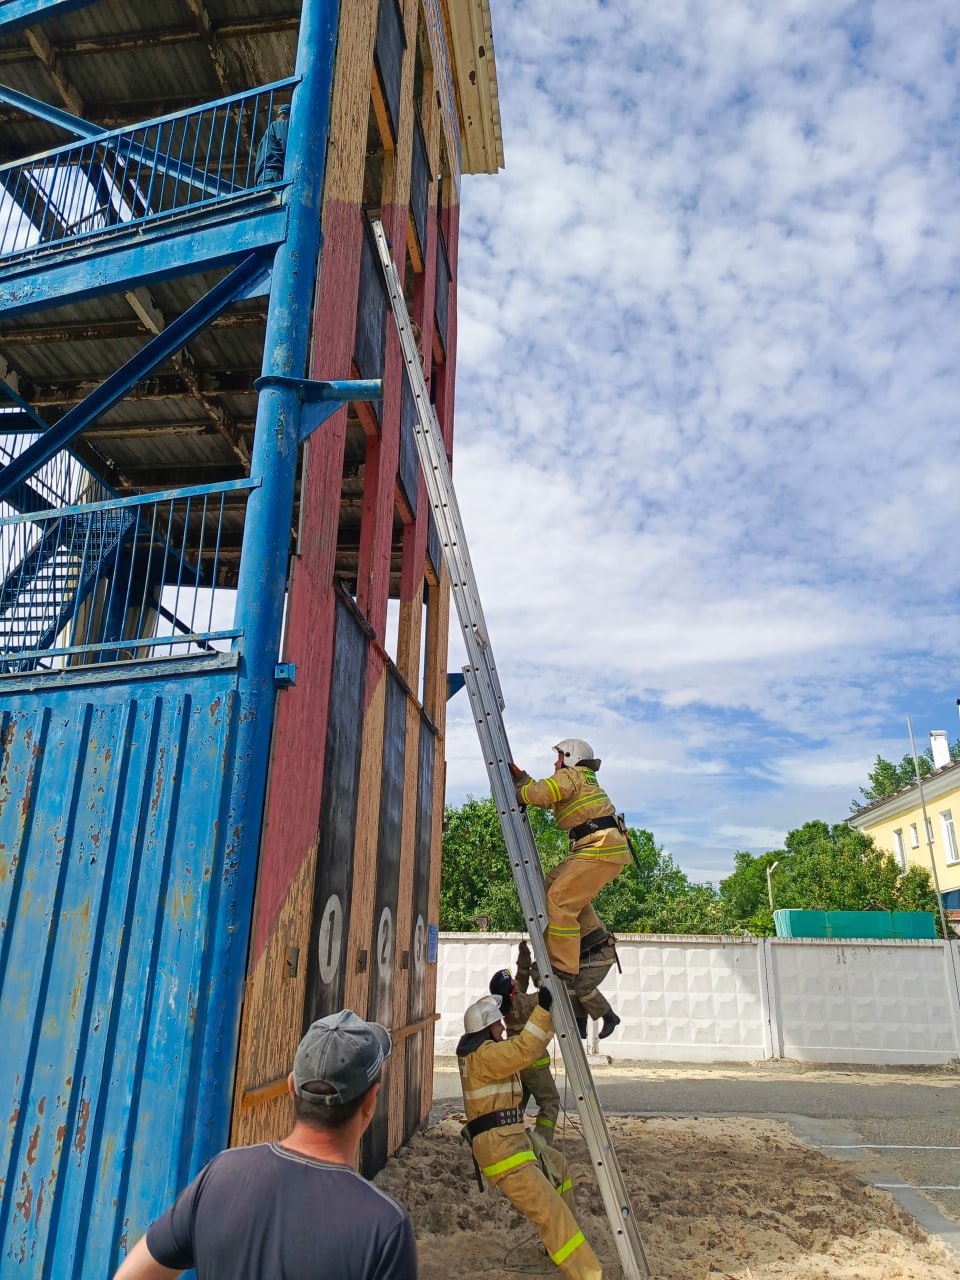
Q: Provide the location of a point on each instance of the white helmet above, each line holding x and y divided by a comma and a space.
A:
574, 750
482, 1013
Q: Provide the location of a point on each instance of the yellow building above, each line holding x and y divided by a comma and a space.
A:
895, 822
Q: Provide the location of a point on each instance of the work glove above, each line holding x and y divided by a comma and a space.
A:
516, 771
545, 998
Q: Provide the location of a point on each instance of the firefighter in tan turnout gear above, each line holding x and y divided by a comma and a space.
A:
598, 845
537, 1080
539, 1186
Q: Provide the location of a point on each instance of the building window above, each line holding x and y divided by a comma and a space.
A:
949, 836
899, 850
914, 836
929, 832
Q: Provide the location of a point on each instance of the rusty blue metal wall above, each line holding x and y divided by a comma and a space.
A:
123, 920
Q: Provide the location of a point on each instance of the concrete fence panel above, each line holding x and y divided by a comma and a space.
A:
698, 999
864, 1002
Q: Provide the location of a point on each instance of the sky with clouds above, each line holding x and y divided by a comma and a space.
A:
707, 402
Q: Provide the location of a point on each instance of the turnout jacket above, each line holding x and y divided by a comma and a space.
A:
575, 796
488, 1074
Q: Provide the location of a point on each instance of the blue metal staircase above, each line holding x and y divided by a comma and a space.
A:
138, 203
45, 592
133, 792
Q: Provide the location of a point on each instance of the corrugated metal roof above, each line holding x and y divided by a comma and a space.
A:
119, 63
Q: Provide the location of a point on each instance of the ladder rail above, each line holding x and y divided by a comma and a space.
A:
486, 698
436, 471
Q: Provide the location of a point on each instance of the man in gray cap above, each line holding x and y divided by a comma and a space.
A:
295, 1210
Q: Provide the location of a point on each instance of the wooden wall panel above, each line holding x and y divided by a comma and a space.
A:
327, 961
417, 937
275, 988
355, 799
356, 991
390, 47
380, 1004
371, 313
435, 701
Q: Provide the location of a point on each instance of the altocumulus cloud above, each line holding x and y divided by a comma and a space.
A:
706, 427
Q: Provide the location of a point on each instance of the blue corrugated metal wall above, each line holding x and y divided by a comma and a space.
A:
117, 901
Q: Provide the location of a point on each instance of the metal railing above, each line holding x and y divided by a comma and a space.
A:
129, 579
61, 482
129, 178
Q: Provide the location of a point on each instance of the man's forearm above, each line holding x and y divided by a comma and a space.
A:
140, 1264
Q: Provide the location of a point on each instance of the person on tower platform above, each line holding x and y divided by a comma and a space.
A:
598, 845
539, 1185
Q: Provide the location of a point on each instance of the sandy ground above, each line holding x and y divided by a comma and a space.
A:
717, 1199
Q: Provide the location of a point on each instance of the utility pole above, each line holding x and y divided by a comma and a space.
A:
770, 870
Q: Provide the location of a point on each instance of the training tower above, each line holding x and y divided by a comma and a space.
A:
223, 602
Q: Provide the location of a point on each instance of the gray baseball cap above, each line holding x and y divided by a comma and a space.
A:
343, 1051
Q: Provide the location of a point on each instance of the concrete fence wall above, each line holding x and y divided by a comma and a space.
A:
694, 999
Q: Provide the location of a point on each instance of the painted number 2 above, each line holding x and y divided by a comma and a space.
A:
385, 940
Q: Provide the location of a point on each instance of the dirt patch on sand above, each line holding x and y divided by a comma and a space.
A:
716, 1198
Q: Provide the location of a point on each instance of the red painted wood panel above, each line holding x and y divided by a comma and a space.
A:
293, 794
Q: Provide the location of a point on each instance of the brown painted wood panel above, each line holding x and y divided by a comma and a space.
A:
334, 882
360, 945
271, 1030
380, 1005
420, 919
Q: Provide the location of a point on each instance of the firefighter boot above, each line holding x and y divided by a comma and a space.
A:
610, 1023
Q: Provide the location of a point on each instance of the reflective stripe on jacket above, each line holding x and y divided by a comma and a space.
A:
490, 1083
575, 795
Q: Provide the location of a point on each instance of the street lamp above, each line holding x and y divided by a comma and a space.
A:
770, 870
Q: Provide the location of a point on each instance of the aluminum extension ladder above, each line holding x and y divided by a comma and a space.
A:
486, 700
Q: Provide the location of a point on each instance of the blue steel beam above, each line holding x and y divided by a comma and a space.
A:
320, 400
26, 501
53, 115
171, 339
27, 13
266, 548
168, 250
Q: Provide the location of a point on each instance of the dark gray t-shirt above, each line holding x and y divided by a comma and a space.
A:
266, 1213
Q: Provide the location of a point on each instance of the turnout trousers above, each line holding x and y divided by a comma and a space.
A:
570, 887
587, 1001
546, 1203
538, 1083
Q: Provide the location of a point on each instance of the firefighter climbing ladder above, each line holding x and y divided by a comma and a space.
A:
486, 700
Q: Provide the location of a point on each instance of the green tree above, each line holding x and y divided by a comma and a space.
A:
885, 777
744, 893
652, 897
825, 868
835, 868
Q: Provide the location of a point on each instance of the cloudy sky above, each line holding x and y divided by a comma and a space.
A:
708, 388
